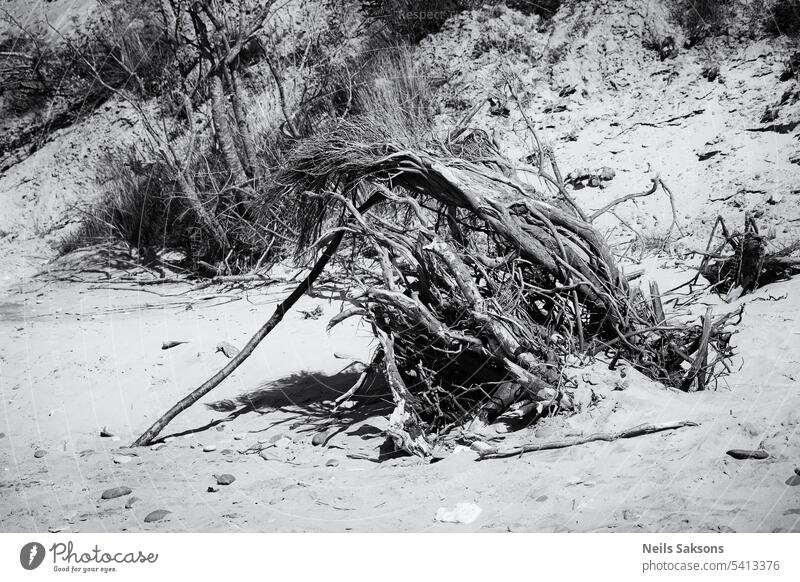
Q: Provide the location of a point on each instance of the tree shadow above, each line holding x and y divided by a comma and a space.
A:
306, 400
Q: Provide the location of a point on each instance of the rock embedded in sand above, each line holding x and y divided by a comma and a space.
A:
104, 432
209, 448
39, 453
748, 454
156, 515
332, 463
212, 489
240, 436
225, 479
121, 459
321, 437
130, 502
115, 492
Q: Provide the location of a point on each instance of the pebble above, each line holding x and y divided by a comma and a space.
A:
104, 432
332, 463
747, 454
156, 515
158, 446
130, 502
225, 479
240, 436
115, 492
797, 471
122, 459
39, 454
321, 438
209, 448
212, 489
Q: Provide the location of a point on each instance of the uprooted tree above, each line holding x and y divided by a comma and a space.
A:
477, 285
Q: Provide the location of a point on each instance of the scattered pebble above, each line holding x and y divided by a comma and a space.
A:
462, 513
321, 437
39, 454
121, 459
104, 432
212, 489
797, 471
240, 436
130, 502
209, 448
747, 454
220, 428
332, 463
225, 479
156, 515
226, 452
115, 492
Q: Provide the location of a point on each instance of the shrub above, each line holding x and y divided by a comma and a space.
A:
412, 20
782, 17
701, 18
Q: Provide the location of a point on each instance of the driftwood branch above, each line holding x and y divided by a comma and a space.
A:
636, 431
151, 433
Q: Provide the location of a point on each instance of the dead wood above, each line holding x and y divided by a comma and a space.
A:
636, 431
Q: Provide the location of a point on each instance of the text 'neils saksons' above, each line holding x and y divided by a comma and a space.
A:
681, 549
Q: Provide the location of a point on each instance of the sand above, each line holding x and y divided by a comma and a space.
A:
76, 359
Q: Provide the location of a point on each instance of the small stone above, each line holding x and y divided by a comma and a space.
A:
332, 463
209, 448
156, 515
104, 432
40, 453
226, 452
321, 438
225, 479
748, 454
797, 471
115, 492
130, 502
220, 428
158, 446
212, 489
774, 199
121, 459
240, 436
